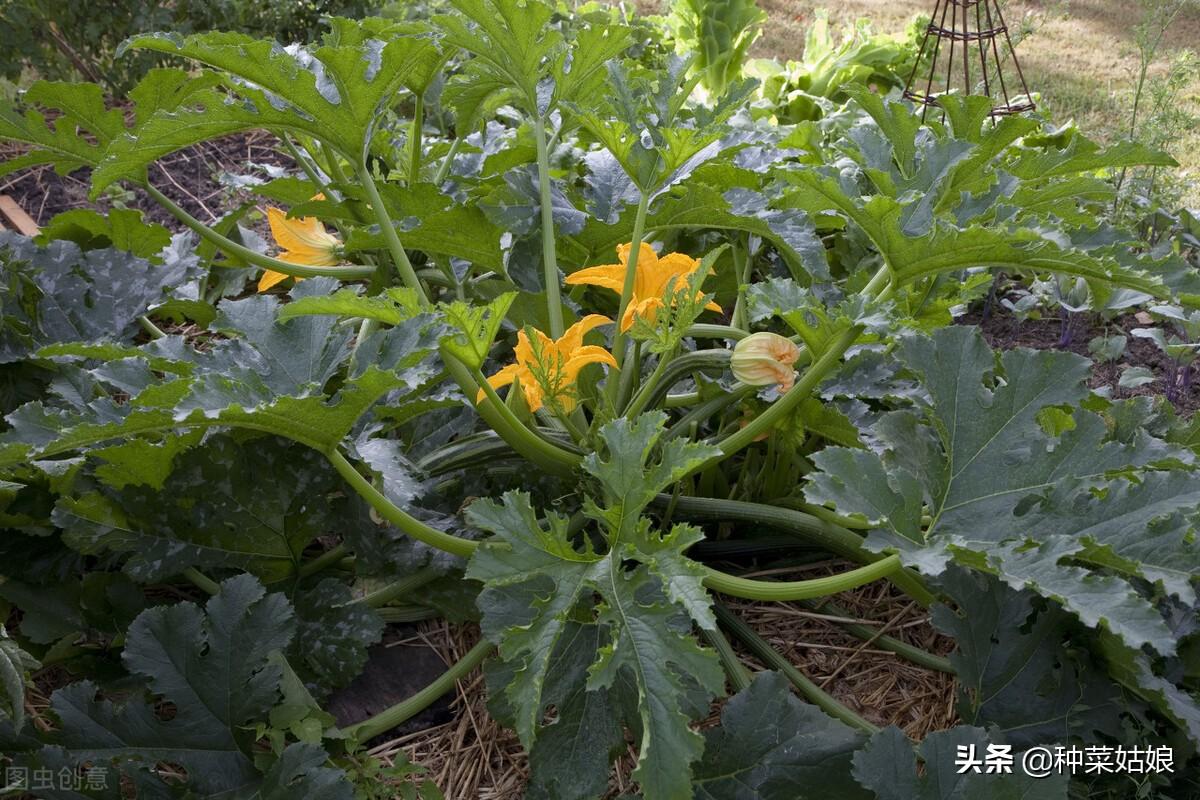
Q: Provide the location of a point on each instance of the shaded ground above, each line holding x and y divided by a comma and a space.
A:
1003, 331
195, 178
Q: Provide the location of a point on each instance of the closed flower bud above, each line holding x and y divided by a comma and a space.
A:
765, 358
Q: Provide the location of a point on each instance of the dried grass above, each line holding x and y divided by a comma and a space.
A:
473, 758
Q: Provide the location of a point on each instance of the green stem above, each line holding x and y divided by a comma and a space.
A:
407, 613
735, 670
647, 391
395, 515
829, 515
150, 328
305, 164
401, 587
877, 287
681, 400
825, 535
549, 256
250, 256
327, 559
635, 247
822, 533
780, 591
414, 140
501, 419
469, 451
201, 581
630, 375
390, 237
774, 660
741, 263
710, 331
884, 642
675, 369
447, 162
407, 709
708, 409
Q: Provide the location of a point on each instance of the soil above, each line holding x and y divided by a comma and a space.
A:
397, 669
192, 178
1004, 331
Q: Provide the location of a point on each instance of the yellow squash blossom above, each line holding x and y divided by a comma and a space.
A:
547, 368
765, 358
303, 241
654, 274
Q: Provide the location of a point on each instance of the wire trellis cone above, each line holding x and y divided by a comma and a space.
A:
968, 49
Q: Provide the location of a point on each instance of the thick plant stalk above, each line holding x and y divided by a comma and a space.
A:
401, 587
832, 537
678, 367
707, 330
884, 642
201, 581
390, 237
250, 256
826, 535
642, 398
414, 140
501, 419
394, 514
779, 591
549, 254
635, 247
407, 613
447, 162
773, 660
735, 670
407, 709
327, 559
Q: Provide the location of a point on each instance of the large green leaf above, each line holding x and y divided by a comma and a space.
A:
695, 207
81, 128
888, 766
1006, 496
333, 632
60, 293
77, 138
335, 92
520, 54
541, 582
946, 248
252, 506
271, 378
15, 666
1014, 674
214, 669
120, 229
770, 744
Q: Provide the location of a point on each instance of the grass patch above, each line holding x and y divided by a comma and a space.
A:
1081, 59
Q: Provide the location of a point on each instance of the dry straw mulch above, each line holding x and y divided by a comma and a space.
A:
473, 758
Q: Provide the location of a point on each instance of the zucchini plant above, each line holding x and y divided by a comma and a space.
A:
516, 365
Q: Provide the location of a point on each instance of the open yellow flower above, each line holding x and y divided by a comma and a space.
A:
765, 358
548, 368
654, 274
303, 241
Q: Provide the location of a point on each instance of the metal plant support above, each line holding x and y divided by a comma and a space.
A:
971, 32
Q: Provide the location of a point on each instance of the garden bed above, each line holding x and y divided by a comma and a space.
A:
627, 382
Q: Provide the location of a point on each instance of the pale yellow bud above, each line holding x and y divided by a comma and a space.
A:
765, 358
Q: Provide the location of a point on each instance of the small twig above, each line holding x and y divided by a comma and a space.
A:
862, 647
